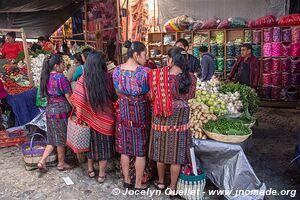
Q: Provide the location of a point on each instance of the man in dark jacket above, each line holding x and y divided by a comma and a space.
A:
193, 62
208, 64
246, 69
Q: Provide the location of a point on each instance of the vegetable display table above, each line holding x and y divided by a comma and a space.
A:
227, 166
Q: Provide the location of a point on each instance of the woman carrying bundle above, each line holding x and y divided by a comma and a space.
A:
93, 103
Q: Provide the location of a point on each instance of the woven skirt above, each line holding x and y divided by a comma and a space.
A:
57, 121
102, 146
170, 138
133, 128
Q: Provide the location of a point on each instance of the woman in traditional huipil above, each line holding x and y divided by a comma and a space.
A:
55, 86
133, 115
93, 103
170, 136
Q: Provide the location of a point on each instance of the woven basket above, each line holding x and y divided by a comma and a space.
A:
191, 187
227, 138
251, 124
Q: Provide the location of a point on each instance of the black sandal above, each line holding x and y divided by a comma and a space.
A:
91, 174
158, 184
42, 167
142, 189
127, 185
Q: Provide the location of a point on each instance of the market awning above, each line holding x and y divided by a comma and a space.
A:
37, 17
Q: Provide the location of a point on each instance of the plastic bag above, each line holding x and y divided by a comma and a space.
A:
180, 23
210, 24
276, 93
248, 36
256, 50
276, 78
267, 80
196, 51
267, 50
266, 21
296, 34
220, 64
197, 25
221, 50
237, 22
40, 102
295, 52
220, 37
229, 64
276, 63
289, 20
230, 50
295, 65
267, 65
286, 50
251, 24
256, 35
214, 49
268, 35
285, 64
286, 78
287, 35
276, 34
224, 24
237, 48
276, 49
295, 79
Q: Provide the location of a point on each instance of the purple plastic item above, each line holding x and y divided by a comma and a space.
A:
295, 79
286, 35
276, 62
276, 34
267, 50
267, 79
285, 64
267, 65
256, 36
268, 35
276, 49
276, 79
32, 151
286, 50
286, 78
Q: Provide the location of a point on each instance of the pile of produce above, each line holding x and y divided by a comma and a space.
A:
199, 115
36, 68
15, 79
227, 127
247, 95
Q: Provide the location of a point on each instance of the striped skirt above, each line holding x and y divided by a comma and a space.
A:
170, 138
102, 146
57, 121
133, 127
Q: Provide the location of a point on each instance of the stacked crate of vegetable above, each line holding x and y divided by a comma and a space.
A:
199, 115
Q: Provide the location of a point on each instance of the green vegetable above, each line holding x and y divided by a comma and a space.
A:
248, 96
227, 127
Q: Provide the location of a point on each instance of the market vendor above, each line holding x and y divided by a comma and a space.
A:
246, 69
193, 62
11, 48
208, 64
46, 44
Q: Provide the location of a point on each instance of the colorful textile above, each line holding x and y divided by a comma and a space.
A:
102, 121
48, 46
3, 92
57, 127
102, 146
160, 90
58, 86
11, 50
133, 112
78, 73
170, 137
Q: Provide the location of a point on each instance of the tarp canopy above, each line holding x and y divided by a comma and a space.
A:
37, 17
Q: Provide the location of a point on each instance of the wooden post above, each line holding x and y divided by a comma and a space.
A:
127, 19
154, 16
27, 58
86, 21
119, 27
